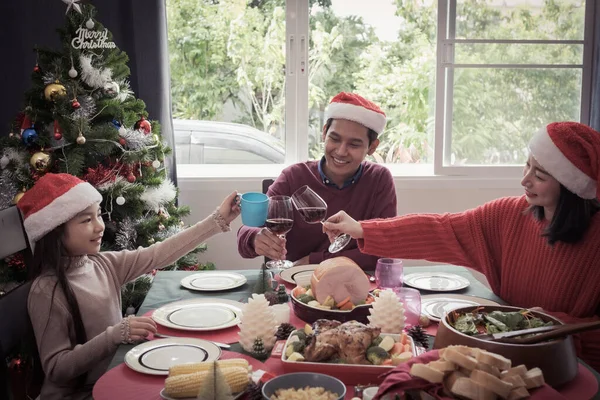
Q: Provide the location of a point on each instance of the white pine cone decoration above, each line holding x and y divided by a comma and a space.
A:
257, 321
387, 312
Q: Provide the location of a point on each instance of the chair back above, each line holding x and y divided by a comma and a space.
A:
16, 333
266, 183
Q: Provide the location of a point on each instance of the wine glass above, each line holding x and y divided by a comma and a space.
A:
313, 209
280, 219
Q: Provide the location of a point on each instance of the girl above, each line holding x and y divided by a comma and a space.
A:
540, 249
74, 303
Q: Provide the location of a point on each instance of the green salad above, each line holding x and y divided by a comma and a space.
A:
478, 322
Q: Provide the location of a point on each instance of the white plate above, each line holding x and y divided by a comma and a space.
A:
436, 281
299, 275
211, 281
435, 305
199, 314
164, 396
156, 356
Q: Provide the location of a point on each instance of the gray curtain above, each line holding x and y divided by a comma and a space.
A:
139, 28
595, 106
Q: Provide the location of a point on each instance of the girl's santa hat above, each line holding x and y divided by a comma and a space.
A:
354, 107
570, 152
54, 200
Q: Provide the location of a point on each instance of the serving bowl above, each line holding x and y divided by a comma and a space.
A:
310, 314
557, 358
300, 380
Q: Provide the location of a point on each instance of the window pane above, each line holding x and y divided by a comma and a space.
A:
227, 80
386, 54
503, 53
496, 111
520, 19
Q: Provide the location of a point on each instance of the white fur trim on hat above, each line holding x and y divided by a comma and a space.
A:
369, 118
558, 165
61, 210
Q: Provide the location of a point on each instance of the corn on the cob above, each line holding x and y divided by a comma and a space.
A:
188, 385
205, 366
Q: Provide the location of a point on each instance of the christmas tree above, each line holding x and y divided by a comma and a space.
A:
81, 117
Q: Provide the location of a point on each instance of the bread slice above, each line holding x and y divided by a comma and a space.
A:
466, 350
534, 378
469, 389
492, 383
443, 365
426, 372
460, 359
515, 380
518, 394
493, 359
490, 369
520, 370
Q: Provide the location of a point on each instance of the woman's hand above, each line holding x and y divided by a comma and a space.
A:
342, 223
230, 207
140, 328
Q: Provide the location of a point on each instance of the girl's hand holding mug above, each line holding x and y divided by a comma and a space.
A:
230, 207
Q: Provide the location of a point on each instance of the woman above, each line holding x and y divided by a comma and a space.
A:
537, 250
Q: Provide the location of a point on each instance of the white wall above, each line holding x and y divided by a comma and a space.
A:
424, 194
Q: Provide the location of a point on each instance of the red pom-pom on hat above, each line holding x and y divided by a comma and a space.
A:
353, 107
54, 200
570, 152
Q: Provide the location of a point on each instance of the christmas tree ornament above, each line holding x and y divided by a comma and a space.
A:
282, 296
156, 164
40, 161
4, 161
387, 312
122, 131
75, 104
36, 68
57, 131
26, 123
131, 178
151, 240
73, 73
258, 350
161, 227
18, 196
89, 24
257, 322
120, 200
116, 124
143, 125
54, 91
29, 136
80, 139
122, 142
111, 89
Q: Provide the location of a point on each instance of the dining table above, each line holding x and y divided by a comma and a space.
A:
121, 382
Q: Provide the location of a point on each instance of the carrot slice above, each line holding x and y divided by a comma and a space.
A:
341, 303
347, 306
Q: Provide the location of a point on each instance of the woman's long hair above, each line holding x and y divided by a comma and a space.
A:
572, 217
48, 260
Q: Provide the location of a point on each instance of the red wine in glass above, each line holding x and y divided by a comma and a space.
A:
279, 226
313, 209
280, 220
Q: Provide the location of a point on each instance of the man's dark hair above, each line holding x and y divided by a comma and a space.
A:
371, 134
572, 217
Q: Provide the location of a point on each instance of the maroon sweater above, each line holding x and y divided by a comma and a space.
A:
372, 196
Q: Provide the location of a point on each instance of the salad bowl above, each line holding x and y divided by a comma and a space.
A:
556, 358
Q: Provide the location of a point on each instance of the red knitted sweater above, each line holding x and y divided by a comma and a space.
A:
503, 242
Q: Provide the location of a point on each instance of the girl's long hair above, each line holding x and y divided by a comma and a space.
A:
572, 217
48, 260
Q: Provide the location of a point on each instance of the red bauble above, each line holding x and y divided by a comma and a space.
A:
75, 104
123, 142
131, 178
143, 125
57, 136
36, 68
57, 131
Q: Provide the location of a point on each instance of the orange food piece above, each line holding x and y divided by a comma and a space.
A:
347, 306
397, 348
407, 347
404, 338
387, 362
341, 303
298, 291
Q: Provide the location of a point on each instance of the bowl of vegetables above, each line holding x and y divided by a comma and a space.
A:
308, 309
556, 358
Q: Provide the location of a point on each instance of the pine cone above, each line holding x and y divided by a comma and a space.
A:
284, 331
272, 298
419, 336
254, 391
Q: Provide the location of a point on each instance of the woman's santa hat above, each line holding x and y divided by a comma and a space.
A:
570, 152
54, 200
356, 108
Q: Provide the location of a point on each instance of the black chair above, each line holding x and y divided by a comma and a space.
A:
266, 183
16, 332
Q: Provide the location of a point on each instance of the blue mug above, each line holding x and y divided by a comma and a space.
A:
254, 207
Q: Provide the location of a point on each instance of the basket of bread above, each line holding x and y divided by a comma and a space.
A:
471, 326
338, 290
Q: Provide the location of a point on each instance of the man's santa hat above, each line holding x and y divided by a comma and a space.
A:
354, 107
570, 152
54, 200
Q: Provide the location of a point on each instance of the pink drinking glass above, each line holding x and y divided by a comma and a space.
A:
411, 299
389, 273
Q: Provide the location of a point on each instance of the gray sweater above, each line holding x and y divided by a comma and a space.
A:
96, 281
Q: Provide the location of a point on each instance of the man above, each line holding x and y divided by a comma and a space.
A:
342, 178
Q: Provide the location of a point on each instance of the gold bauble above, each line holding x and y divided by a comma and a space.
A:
18, 197
80, 139
40, 161
54, 90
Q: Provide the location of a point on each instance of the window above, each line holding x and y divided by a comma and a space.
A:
464, 83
